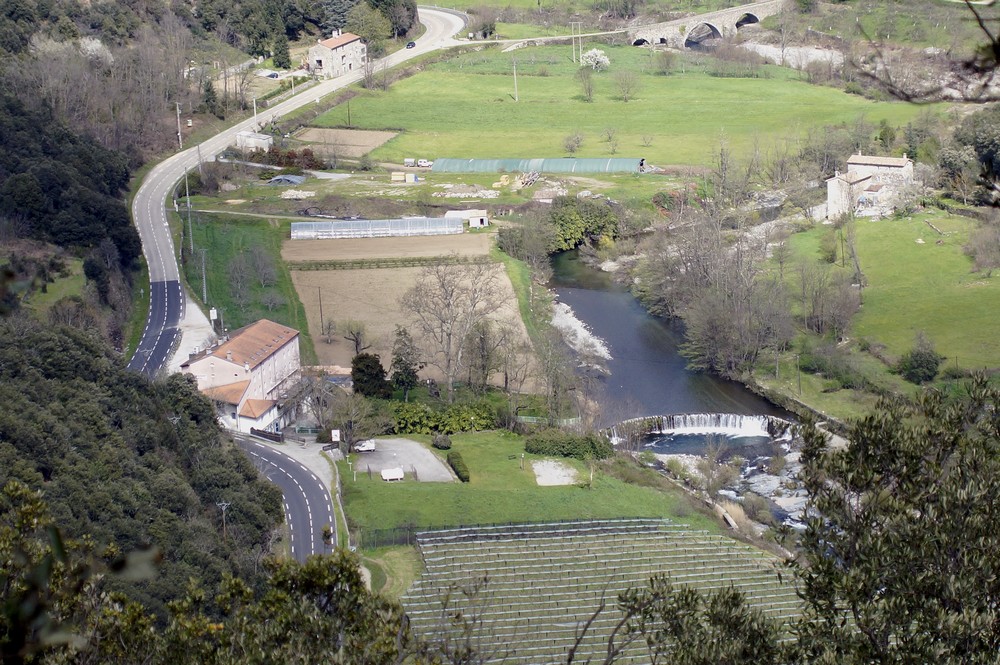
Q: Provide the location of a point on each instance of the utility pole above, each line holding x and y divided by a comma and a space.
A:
187, 196
322, 328
223, 505
200, 171
180, 141
515, 80
255, 128
576, 28
348, 112
204, 284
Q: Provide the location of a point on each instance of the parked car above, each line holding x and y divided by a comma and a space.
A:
425, 163
410, 44
272, 75
366, 446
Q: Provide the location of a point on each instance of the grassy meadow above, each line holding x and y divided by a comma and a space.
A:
226, 236
918, 280
465, 107
500, 491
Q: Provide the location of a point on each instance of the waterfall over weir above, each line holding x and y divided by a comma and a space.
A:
697, 427
726, 424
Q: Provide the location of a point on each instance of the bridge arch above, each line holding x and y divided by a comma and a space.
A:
700, 33
642, 41
746, 19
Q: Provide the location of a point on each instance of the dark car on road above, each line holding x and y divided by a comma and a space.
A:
410, 44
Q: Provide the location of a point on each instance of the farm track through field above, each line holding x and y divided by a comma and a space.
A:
399, 262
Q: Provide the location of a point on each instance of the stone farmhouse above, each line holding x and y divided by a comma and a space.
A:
248, 374
870, 186
340, 54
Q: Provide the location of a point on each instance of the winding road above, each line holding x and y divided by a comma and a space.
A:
308, 506
307, 502
167, 299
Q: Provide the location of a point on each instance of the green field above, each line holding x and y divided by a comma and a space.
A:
927, 286
500, 492
226, 236
911, 287
465, 107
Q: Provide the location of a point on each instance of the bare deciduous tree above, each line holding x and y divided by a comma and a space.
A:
355, 332
627, 82
447, 302
262, 265
585, 75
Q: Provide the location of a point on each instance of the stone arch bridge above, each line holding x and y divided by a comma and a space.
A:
693, 29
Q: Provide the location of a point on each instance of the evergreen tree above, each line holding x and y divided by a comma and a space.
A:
368, 376
282, 58
405, 362
335, 14
210, 100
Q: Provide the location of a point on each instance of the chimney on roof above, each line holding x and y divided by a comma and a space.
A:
229, 356
246, 367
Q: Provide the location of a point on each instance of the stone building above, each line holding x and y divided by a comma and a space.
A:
340, 54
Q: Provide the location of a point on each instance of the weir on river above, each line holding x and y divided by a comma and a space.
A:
646, 372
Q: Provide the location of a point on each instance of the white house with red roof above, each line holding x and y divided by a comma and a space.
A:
247, 374
341, 54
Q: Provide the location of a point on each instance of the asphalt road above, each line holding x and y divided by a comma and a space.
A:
308, 506
167, 299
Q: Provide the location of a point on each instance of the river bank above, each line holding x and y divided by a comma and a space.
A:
652, 354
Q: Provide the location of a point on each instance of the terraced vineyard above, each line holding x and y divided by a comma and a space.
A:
544, 581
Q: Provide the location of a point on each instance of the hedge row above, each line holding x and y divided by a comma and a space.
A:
458, 465
413, 418
558, 443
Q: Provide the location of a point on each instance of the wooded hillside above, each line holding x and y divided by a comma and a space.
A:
129, 462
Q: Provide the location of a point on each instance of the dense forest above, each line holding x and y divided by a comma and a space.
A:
60, 187
128, 463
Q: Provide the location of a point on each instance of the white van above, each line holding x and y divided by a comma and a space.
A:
424, 163
409, 161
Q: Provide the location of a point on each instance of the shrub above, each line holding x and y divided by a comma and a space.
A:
556, 442
474, 417
921, 364
833, 363
756, 508
457, 464
414, 418
441, 441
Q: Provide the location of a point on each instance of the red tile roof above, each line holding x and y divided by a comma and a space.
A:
255, 408
337, 42
254, 343
231, 393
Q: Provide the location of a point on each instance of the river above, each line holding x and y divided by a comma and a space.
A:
647, 374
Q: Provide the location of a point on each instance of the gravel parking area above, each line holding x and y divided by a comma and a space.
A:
410, 456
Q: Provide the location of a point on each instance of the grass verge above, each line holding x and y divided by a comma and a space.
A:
224, 238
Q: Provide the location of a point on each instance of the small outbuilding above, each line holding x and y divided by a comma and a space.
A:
477, 219
250, 141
